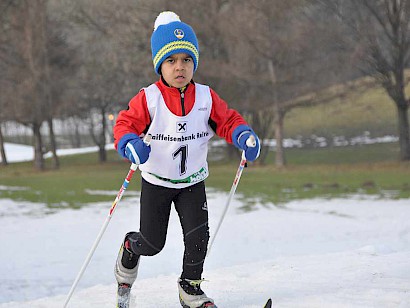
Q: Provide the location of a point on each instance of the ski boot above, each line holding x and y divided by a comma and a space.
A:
126, 270
191, 295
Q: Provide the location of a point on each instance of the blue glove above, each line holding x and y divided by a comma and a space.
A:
239, 137
133, 148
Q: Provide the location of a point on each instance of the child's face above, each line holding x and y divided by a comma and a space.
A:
178, 70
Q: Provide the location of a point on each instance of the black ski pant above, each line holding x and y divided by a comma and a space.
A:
190, 204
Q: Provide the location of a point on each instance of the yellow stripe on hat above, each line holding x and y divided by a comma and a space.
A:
173, 46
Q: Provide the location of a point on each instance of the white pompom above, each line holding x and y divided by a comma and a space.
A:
165, 18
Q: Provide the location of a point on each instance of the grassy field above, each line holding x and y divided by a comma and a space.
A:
370, 110
310, 173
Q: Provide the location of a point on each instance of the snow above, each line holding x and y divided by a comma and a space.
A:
351, 252
317, 253
19, 152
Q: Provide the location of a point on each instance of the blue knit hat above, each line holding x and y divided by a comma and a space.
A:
172, 36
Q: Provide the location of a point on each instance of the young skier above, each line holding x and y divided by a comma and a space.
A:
181, 116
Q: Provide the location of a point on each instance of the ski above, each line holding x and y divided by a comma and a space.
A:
211, 305
204, 305
123, 295
268, 304
124, 292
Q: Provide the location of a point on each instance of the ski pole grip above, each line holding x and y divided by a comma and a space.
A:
251, 141
147, 139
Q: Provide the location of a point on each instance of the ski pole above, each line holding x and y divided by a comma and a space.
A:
121, 192
250, 142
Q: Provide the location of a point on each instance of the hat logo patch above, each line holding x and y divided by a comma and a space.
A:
179, 33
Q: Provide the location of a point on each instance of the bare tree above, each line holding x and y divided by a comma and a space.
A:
380, 32
4, 111
34, 62
271, 56
115, 61
24, 59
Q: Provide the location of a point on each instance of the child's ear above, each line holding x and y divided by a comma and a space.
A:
160, 69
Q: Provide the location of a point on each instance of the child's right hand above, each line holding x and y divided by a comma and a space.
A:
137, 151
134, 149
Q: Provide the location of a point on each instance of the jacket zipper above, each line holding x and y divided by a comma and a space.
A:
183, 103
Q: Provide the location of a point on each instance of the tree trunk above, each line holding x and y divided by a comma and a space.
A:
261, 123
404, 132
38, 147
395, 89
53, 144
77, 137
278, 119
101, 143
2, 150
102, 154
74, 127
46, 85
278, 123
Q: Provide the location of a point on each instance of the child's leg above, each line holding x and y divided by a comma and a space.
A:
193, 214
154, 216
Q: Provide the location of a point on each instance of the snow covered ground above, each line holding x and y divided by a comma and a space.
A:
19, 152
318, 253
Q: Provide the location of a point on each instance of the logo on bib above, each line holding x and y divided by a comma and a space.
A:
181, 127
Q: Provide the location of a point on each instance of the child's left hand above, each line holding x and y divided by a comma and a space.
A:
239, 137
